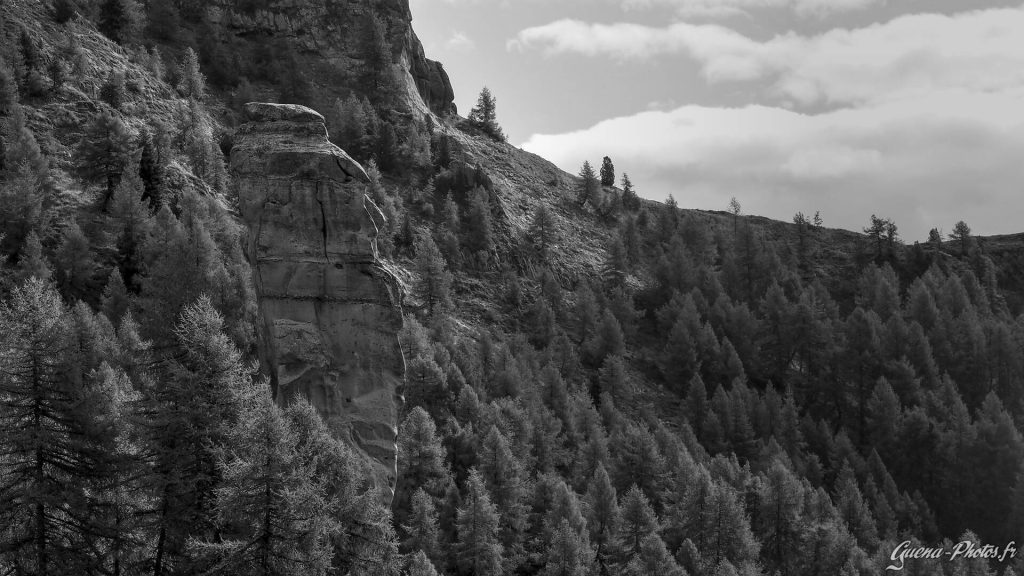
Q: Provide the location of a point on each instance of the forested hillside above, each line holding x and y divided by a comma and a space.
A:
595, 383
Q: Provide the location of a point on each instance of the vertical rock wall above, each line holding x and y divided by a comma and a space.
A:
329, 313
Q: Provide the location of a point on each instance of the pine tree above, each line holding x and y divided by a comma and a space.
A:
961, 234
478, 231
477, 551
484, 115
103, 152
434, 285
607, 172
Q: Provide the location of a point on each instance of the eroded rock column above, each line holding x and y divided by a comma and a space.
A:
329, 313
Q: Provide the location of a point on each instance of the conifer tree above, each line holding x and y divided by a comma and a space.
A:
53, 437
589, 187
606, 341
630, 199
32, 263
434, 285
115, 301
607, 172
854, 510
780, 506
653, 559
484, 115
421, 527
74, 262
421, 460
420, 565
151, 170
961, 234
274, 505
103, 153
118, 20
566, 554
477, 227
637, 523
603, 516
616, 264
477, 551
542, 230
191, 414
191, 81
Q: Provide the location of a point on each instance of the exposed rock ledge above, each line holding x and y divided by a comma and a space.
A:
329, 313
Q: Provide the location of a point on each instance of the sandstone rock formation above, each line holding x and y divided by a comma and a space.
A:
329, 37
329, 313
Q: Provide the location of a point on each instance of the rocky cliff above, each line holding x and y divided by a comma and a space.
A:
330, 39
329, 318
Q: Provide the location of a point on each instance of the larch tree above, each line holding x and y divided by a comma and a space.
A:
275, 511
190, 415
484, 115
543, 230
434, 284
638, 522
589, 187
630, 199
421, 526
653, 559
477, 551
60, 462
421, 460
103, 153
603, 515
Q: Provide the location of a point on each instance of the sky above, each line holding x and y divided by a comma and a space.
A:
907, 109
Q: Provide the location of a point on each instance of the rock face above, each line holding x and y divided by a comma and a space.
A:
329, 313
330, 39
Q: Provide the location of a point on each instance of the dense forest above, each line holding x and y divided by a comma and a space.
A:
721, 395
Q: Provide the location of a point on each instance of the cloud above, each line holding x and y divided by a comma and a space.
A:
910, 56
728, 8
923, 164
459, 41
711, 8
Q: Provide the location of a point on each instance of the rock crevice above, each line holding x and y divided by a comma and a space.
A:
329, 312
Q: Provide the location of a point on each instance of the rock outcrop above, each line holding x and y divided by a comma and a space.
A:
329, 37
329, 312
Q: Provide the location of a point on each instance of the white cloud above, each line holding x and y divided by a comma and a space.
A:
910, 56
459, 41
925, 164
710, 8
726, 8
